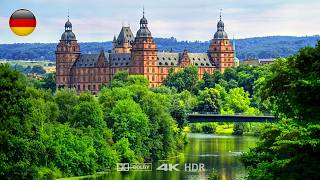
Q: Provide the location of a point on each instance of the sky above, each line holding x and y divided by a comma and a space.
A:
100, 20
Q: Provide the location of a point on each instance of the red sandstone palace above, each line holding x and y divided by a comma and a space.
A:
137, 55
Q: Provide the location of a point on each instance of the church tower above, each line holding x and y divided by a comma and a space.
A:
144, 54
220, 49
68, 50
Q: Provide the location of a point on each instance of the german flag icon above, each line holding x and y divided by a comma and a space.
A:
22, 22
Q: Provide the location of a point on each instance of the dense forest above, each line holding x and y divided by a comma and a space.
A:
48, 133
257, 47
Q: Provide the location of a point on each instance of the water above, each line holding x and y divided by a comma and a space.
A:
217, 152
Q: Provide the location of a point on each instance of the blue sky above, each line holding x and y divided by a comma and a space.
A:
99, 20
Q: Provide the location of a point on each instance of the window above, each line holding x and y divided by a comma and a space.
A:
160, 63
94, 87
89, 87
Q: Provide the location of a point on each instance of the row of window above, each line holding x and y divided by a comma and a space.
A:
84, 87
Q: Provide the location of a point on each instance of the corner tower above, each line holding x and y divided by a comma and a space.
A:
68, 50
220, 49
144, 54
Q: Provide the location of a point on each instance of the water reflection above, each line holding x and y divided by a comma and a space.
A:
215, 152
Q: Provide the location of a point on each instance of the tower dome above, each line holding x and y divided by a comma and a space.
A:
220, 34
143, 31
68, 35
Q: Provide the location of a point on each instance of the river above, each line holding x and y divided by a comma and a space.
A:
205, 151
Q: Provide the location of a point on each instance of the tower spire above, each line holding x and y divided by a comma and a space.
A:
220, 13
143, 10
68, 15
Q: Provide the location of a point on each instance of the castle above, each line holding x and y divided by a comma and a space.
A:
137, 55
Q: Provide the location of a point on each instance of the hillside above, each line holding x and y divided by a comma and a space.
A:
257, 47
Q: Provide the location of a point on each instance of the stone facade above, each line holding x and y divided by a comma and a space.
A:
137, 55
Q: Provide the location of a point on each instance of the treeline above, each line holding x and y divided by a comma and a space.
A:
258, 47
46, 134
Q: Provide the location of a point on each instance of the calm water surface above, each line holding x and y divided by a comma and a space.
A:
213, 151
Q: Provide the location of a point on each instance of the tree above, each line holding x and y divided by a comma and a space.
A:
49, 82
209, 101
66, 100
185, 79
87, 113
130, 122
293, 86
291, 148
182, 104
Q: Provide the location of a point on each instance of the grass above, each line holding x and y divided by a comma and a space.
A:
224, 129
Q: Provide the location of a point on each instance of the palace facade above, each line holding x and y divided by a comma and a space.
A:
137, 55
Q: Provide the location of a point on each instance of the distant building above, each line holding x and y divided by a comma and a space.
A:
266, 61
137, 55
258, 61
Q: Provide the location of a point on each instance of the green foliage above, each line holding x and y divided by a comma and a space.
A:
181, 105
185, 79
122, 79
130, 122
87, 113
126, 154
49, 82
66, 100
238, 101
209, 101
291, 148
294, 85
287, 151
